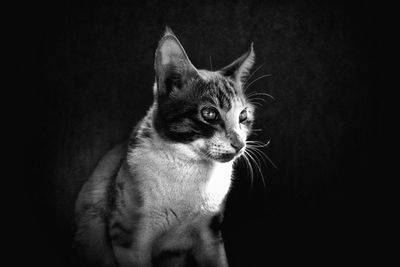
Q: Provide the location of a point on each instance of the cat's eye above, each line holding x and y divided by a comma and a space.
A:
210, 114
243, 116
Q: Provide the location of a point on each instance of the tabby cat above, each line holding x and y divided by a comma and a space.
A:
158, 199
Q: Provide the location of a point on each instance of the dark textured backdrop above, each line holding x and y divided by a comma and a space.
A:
88, 78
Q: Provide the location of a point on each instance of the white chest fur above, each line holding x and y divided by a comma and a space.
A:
184, 186
218, 184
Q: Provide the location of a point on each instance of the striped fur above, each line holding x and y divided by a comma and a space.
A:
158, 200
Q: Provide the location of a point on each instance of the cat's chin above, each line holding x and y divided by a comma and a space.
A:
223, 158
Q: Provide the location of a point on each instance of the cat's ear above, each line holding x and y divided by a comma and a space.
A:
240, 68
172, 65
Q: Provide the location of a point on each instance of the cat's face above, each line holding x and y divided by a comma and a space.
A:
202, 113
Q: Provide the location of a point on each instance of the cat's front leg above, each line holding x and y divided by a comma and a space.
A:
221, 255
210, 252
136, 252
132, 257
125, 256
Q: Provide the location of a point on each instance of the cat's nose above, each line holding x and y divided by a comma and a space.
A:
237, 144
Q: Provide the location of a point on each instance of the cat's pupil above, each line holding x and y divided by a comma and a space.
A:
209, 114
243, 116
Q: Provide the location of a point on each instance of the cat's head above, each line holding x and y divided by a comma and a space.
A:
203, 113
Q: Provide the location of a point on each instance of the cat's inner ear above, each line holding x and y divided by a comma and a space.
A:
239, 69
172, 65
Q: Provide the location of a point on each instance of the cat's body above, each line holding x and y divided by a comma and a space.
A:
158, 199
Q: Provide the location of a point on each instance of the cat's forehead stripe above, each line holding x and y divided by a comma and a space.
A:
221, 91
225, 92
215, 93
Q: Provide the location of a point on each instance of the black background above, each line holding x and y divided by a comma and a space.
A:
86, 79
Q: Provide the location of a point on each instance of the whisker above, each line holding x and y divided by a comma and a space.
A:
211, 67
248, 166
258, 143
252, 152
263, 156
246, 157
257, 161
257, 93
253, 81
256, 103
260, 94
266, 157
251, 75
251, 156
251, 171
257, 151
257, 98
270, 161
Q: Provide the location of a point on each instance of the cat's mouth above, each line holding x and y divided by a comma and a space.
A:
221, 156
225, 157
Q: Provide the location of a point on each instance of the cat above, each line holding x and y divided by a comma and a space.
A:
158, 199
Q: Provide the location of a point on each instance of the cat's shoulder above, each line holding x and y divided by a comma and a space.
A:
95, 188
